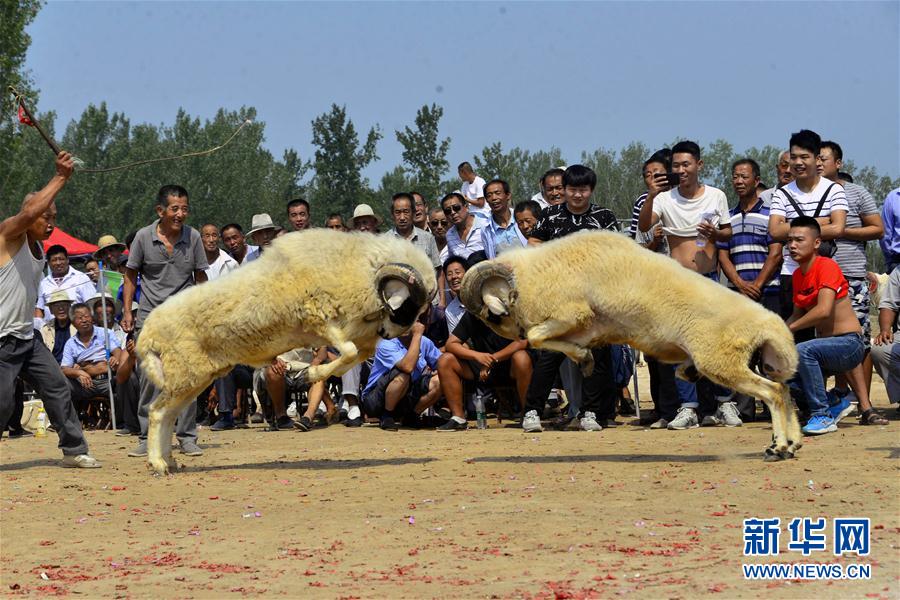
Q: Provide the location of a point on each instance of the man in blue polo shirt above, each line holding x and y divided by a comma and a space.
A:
501, 233
84, 360
399, 385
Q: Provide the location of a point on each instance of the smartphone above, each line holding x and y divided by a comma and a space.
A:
673, 179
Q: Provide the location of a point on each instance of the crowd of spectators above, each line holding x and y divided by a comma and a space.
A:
797, 247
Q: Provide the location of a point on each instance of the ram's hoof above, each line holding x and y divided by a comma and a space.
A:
158, 467
773, 455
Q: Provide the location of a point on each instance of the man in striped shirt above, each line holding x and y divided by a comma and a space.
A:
816, 197
751, 259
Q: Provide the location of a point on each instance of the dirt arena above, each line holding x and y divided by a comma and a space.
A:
363, 513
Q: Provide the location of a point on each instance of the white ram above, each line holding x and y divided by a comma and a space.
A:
308, 289
595, 288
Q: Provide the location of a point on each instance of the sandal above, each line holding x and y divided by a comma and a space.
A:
872, 417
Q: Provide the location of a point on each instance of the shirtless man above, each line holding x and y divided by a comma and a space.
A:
21, 352
693, 216
681, 211
821, 301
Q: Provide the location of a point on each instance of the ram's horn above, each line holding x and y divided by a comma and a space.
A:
471, 289
402, 291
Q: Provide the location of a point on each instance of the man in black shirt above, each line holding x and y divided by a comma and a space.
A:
599, 389
475, 353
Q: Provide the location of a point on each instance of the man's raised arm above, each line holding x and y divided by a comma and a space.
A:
37, 203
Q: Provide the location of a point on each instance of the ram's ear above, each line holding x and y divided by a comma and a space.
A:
395, 293
495, 305
495, 294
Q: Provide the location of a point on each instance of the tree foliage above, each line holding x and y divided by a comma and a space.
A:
338, 162
15, 16
424, 155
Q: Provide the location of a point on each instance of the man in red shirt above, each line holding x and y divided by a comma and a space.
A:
821, 301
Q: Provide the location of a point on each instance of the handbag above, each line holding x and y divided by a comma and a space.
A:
827, 248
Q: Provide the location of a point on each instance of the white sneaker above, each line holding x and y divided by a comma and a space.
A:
661, 424
81, 461
292, 410
728, 414
589, 422
685, 419
531, 423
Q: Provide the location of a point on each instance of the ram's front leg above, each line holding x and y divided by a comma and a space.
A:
548, 335
350, 355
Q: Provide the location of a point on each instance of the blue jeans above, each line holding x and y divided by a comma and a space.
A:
836, 354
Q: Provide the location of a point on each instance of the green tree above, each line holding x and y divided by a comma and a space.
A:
15, 16
424, 155
338, 184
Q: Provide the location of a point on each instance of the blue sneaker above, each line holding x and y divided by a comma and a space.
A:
840, 409
819, 424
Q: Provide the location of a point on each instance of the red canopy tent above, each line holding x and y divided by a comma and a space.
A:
73, 245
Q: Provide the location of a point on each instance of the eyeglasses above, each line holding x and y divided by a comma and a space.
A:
435, 223
453, 208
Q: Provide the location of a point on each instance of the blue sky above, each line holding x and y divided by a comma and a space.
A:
573, 75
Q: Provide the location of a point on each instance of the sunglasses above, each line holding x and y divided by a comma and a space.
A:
435, 223
453, 208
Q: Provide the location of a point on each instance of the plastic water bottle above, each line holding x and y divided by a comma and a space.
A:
41, 424
480, 417
709, 217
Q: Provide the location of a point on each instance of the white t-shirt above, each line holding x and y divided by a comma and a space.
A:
679, 216
539, 198
222, 265
473, 191
808, 202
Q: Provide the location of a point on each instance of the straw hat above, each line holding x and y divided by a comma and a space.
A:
59, 296
95, 299
364, 210
107, 241
261, 222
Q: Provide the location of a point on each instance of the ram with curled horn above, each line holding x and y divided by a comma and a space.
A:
595, 288
308, 289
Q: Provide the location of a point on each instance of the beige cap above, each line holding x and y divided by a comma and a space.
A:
364, 210
59, 296
260, 222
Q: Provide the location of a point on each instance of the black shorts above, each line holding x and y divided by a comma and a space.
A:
373, 400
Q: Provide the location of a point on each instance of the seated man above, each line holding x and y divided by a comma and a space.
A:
62, 277
886, 349
56, 333
475, 353
127, 386
455, 268
821, 301
84, 358
316, 392
287, 373
403, 381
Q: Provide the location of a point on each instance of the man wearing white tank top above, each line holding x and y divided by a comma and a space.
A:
21, 352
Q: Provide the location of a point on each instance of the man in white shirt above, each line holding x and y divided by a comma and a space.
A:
816, 197
62, 277
694, 216
219, 262
236, 245
472, 189
464, 236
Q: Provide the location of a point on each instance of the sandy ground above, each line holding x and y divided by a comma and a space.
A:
340, 513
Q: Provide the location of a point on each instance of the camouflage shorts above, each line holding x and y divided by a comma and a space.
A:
859, 300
